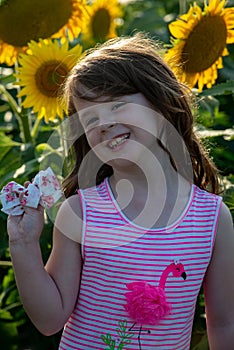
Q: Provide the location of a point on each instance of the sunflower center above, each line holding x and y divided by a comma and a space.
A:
205, 44
24, 20
50, 76
101, 24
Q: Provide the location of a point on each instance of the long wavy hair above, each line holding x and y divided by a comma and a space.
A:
124, 66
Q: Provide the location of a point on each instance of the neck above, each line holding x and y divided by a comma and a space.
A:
152, 194
152, 163
154, 175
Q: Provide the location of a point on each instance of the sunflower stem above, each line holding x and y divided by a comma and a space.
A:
21, 116
35, 128
182, 6
13, 104
24, 126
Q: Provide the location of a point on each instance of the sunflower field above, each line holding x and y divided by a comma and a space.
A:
40, 41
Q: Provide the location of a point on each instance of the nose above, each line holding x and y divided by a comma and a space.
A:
104, 128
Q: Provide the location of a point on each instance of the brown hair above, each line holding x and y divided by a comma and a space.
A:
125, 66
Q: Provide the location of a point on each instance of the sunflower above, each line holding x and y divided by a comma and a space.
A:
43, 69
200, 39
103, 19
24, 20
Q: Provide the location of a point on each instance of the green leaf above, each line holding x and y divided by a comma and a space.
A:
25, 171
7, 79
203, 344
8, 331
210, 104
3, 152
219, 89
9, 162
44, 147
6, 141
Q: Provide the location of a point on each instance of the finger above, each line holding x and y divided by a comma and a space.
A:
31, 211
27, 183
21, 195
40, 208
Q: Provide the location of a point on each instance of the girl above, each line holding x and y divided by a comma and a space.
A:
147, 227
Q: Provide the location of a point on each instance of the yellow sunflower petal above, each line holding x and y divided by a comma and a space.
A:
230, 37
215, 7
228, 16
43, 69
24, 20
102, 21
200, 43
179, 28
190, 79
225, 52
200, 82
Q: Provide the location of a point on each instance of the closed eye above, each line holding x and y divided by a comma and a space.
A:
117, 105
91, 121
88, 122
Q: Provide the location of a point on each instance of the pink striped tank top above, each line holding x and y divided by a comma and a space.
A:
133, 292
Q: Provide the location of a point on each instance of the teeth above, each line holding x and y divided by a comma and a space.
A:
118, 141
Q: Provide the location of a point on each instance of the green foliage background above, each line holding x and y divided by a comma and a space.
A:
20, 159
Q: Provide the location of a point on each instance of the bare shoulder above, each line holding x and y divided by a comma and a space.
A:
69, 218
225, 233
225, 217
219, 279
224, 242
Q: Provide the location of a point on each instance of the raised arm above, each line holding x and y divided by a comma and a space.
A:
48, 293
219, 286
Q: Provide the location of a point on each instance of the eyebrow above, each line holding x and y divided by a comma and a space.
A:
85, 113
87, 109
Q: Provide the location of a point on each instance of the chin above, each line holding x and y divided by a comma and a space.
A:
122, 163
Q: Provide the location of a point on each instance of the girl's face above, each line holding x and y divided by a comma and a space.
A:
123, 129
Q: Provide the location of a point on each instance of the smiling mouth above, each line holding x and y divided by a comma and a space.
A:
114, 143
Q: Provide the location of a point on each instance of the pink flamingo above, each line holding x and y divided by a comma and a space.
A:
147, 304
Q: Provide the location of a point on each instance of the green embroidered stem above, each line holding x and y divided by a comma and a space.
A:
107, 339
125, 337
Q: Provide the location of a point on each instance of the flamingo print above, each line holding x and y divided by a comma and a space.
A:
147, 304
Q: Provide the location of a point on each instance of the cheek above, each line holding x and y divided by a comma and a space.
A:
92, 138
96, 145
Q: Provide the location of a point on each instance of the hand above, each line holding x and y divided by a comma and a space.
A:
28, 226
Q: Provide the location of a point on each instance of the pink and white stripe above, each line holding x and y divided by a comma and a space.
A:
117, 251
